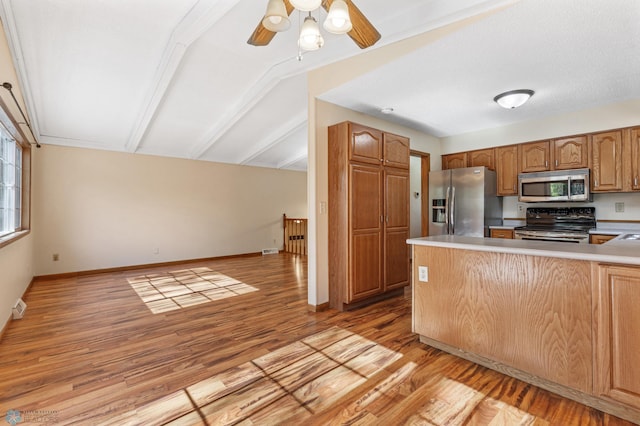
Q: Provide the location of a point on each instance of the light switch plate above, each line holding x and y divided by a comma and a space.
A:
423, 274
619, 207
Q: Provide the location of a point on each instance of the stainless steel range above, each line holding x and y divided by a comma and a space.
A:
568, 224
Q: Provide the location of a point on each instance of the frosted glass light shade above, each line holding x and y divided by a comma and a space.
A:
306, 5
310, 37
276, 18
338, 20
513, 98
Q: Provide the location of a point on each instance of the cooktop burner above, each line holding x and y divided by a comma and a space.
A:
567, 219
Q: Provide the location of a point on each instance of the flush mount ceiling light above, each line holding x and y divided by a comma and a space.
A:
343, 17
387, 110
513, 98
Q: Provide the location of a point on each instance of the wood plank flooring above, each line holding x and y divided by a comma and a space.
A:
91, 350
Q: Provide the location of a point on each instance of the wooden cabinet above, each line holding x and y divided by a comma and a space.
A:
454, 161
606, 161
531, 313
617, 336
600, 238
633, 173
502, 233
368, 214
396, 151
570, 153
534, 157
483, 157
507, 170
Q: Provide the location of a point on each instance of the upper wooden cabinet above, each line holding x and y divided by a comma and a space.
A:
365, 144
606, 161
454, 161
570, 153
483, 157
396, 151
634, 168
534, 156
507, 169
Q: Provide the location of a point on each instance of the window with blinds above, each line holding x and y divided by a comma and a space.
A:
10, 184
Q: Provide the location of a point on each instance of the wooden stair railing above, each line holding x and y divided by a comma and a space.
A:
295, 235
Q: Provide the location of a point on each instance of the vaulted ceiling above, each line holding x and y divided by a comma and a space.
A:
177, 78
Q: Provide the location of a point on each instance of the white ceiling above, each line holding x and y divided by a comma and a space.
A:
177, 78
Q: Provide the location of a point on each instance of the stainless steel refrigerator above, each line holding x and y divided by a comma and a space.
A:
463, 202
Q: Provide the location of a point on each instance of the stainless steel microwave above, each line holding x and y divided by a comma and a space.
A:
559, 185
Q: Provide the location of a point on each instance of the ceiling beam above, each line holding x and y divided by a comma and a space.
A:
292, 160
295, 124
195, 23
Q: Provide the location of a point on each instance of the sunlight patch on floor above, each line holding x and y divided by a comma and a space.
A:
298, 380
174, 290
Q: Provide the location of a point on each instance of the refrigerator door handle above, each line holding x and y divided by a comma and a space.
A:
446, 210
453, 211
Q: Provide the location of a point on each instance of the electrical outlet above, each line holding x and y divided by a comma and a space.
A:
619, 207
55, 257
156, 250
521, 208
423, 274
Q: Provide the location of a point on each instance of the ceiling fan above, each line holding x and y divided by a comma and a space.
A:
362, 32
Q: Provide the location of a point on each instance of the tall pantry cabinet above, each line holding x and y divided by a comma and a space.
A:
368, 214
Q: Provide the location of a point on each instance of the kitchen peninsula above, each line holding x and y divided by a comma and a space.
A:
561, 316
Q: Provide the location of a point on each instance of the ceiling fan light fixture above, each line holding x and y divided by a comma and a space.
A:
310, 37
276, 19
338, 20
306, 5
513, 98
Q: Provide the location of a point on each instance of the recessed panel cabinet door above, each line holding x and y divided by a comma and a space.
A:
606, 155
635, 159
617, 344
396, 253
396, 151
365, 144
534, 157
366, 231
507, 170
570, 153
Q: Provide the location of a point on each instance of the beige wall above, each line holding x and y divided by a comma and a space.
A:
101, 209
605, 117
16, 259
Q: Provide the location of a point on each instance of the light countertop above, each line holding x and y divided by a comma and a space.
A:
614, 251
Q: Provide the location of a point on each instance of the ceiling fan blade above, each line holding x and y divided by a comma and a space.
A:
262, 36
363, 33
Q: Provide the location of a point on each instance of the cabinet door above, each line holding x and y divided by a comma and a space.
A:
635, 158
396, 250
606, 155
365, 251
365, 145
396, 151
454, 161
534, 156
600, 238
483, 157
502, 233
617, 344
570, 153
507, 170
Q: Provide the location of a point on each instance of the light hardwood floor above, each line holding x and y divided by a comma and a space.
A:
232, 342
